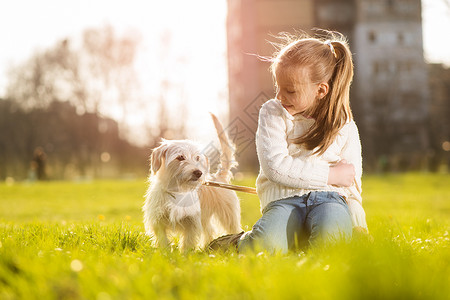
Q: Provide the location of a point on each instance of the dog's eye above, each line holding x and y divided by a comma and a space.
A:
181, 157
198, 157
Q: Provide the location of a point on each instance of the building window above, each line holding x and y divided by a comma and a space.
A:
390, 4
372, 36
376, 68
401, 38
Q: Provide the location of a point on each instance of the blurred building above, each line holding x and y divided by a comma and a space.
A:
390, 95
439, 124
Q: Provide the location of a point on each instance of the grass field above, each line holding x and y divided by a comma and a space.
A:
65, 240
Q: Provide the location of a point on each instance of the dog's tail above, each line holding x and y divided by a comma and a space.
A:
227, 159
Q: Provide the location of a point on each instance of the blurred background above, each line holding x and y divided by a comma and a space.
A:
88, 88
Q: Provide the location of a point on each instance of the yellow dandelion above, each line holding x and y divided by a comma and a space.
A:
101, 217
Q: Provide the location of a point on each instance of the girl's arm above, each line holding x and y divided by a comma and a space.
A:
342, 174
352, 154
274, 158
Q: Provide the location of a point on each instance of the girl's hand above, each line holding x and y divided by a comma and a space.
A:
341, 174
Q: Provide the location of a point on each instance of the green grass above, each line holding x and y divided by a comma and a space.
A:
62, 240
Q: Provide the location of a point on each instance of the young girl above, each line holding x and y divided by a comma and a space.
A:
309, 150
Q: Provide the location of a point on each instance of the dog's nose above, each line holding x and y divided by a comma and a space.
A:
197, 173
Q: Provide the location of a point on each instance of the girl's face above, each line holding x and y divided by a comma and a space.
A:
295, 90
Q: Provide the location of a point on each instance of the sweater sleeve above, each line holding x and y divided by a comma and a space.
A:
357, 214
352, 153
273, 154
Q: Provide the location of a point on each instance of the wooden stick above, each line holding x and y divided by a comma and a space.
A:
239, 188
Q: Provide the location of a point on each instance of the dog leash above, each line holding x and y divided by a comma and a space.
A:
245, 189
239, 188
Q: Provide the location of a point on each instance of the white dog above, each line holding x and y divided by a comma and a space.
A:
176, 201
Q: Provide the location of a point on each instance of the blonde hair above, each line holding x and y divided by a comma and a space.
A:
327, 60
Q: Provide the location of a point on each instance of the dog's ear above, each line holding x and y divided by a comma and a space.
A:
157, 157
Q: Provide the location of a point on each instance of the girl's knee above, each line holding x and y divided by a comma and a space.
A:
332, 231
273, 235
331, 225
267, 238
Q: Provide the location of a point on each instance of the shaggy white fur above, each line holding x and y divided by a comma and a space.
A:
177, 202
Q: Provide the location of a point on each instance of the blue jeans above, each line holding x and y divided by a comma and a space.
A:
298, 222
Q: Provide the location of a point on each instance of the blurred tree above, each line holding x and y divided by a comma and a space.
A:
57, 96
110, 61
171, 123
44, 78
94, 77
73, 143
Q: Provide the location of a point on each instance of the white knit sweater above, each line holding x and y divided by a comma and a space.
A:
287, 169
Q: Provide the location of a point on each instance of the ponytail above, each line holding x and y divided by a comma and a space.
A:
333, 111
